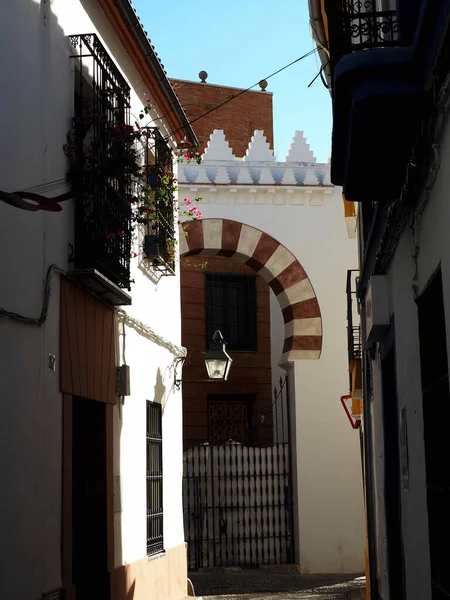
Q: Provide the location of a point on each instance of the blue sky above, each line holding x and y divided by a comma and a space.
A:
239, 42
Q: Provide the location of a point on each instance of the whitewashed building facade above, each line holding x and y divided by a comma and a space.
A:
91, 476
285, 220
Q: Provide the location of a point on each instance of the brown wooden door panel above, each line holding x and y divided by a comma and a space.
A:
87, 345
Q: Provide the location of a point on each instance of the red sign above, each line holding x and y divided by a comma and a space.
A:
347, 404
38, 202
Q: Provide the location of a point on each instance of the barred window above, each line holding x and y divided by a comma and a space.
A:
155, 541
231, 307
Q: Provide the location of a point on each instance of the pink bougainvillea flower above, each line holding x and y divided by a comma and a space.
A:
188, 201
133, 255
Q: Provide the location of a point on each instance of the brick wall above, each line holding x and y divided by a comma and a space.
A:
238, 118
250, 372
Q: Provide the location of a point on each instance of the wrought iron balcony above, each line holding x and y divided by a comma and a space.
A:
160, 239
353, 329
358, 25
98, 168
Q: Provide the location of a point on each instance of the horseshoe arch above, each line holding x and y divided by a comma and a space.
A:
276, 265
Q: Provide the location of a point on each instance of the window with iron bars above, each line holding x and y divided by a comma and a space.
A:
155, 521
231, 307
160, 240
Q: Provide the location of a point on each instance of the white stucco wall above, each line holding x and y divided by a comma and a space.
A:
30, 429
330, 496
434, 244
36, 105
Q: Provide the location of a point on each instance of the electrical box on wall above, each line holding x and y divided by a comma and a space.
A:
377, 309
123, 380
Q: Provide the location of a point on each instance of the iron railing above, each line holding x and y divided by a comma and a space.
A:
353, 328
238, 498
160, 232
103, 217
365, 27
358, 25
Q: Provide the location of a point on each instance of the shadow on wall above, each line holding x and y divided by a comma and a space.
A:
160, 390
123, 588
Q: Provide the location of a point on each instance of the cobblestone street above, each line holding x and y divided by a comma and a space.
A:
265, 584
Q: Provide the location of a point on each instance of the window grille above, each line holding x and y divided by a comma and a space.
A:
155, 540
231, 308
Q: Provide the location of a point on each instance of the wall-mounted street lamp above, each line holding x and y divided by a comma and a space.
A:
176, 381
217, 361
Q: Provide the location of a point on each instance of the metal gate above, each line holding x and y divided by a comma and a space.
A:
237, 499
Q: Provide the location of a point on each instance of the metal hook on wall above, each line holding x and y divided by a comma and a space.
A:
177, 382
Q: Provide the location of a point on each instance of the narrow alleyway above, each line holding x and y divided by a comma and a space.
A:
268, 584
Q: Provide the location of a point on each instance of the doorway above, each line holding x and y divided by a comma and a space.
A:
89, 500
436, 415
392, 494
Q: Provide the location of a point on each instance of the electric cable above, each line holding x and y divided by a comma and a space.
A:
300, 58
45, 301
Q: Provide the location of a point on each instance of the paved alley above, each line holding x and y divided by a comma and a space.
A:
265, 584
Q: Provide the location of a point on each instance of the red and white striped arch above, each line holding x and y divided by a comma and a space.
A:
276, 265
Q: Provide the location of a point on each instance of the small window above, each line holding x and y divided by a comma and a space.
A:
155, 541
231, 308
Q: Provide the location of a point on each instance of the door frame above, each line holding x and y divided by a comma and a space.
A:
67, 536
392, 496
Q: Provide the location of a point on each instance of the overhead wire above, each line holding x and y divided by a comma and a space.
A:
51, 185
241, 92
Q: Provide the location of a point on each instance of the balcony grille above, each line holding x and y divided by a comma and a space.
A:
364, 27
103, 216
358, 25
160, 230
353, 328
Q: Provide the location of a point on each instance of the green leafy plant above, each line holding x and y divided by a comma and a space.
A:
136, 163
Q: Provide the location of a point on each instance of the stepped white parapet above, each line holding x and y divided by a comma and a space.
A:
326, 178
259, 148
218, 148
266, 177
202, 176
310, 178
258, 168
222, 176
244, 176
299, 150
288, 177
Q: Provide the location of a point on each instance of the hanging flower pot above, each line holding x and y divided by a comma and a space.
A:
152, 176
151, 246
